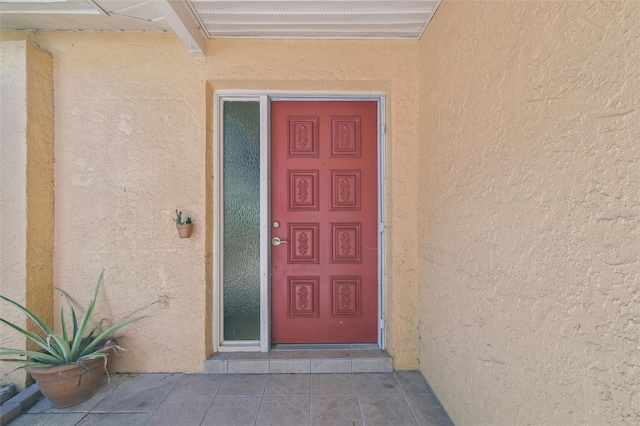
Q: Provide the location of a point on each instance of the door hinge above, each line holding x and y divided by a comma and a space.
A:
381, 323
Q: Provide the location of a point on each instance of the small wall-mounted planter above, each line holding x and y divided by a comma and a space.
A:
184, 231
185, 228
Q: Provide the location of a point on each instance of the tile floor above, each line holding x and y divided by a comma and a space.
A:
396, 398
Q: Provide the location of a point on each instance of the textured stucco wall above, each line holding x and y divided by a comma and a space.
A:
390, 67
13, 191
530, 158
39, 174
133, 134
26, 189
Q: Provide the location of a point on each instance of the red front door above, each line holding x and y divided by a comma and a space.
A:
324, 204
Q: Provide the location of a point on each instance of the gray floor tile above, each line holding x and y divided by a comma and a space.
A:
323, 354
288, 384
243, 385
107, 385
138, 393
284, 410
385, 410
370, 354
401, 398
335, 410
332, 384
215, 367
371, 365
330, 365
249, 356
412, 381
290, 355
48, 419
191, 385
278, 366
428, 410
181, 411
221, 356
115, 419
376, 383
248, 367
232, 411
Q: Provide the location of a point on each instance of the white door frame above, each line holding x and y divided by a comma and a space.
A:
264, 97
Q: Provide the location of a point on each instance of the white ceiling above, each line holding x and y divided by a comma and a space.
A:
196, 20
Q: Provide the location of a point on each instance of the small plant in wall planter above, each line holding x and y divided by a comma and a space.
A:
185, 228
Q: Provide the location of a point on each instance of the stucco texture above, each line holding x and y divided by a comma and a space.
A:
530, 159
389, 67
133, 135
26, 192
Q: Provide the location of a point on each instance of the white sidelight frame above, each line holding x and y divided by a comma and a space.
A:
265, 98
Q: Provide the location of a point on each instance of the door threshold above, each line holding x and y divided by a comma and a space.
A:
325, 346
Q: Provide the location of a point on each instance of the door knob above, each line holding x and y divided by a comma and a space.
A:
277, 241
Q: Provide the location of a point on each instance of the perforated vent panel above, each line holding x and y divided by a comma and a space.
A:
314, 19
240, 18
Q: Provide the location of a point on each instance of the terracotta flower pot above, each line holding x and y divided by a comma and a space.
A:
184, 231
69, 384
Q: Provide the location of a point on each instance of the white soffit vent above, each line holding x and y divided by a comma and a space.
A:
314, 19
82, 15
196, 20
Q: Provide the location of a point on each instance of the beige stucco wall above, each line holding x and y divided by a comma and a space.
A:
389, 67
530, 158
133, 142
26, 190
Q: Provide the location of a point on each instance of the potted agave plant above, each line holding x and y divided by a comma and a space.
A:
185, 228
68, 366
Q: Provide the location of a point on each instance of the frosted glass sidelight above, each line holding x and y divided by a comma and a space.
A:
241, 281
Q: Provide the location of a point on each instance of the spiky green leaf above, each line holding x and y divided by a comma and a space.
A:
34, 337
84, 322
29, 314
66, 348
39, 356
64, 325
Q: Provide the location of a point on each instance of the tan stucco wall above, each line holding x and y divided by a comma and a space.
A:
132, 144
389, 67
530, 159
26, 190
